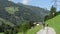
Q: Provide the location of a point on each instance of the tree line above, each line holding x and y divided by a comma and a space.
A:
52, 14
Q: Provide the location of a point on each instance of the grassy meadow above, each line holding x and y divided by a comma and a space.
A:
55, 23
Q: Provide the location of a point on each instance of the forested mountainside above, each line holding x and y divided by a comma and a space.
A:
16, 13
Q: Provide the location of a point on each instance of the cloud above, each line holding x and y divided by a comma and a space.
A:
10, 0
25, 1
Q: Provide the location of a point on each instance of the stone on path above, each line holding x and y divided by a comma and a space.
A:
47, 30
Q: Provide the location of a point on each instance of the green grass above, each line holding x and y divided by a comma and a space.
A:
33, 30
20, 33
55, 23
11, 9
1, 33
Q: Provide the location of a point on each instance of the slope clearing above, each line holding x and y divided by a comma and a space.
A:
55, 23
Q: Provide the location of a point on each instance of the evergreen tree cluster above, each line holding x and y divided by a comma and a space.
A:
53, 13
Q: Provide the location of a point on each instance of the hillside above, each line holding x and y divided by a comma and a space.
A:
37, 10
55, 23
15, 13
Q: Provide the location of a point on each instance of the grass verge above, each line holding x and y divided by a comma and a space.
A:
33, 30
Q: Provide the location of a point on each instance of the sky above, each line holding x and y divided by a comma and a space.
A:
46, 4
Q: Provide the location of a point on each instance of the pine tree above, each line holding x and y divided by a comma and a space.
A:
52, 12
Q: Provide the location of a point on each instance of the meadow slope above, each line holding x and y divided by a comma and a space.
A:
55, 23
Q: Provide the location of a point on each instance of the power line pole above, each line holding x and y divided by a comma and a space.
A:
56, 3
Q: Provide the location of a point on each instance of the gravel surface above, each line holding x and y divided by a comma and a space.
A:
47, 30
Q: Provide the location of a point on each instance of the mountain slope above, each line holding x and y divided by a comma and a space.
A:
39, 12
17, 13
55, 23
6, 22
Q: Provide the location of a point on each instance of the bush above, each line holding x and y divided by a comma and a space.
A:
31, 24
46, 17
23, 27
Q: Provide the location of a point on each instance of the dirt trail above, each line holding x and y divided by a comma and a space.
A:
47, 30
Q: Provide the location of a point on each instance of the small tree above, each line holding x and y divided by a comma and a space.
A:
23, 27
31, 24
46, 17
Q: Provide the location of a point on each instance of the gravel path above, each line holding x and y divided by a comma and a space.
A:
47, 30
